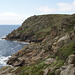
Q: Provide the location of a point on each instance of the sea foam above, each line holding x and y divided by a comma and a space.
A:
3, 60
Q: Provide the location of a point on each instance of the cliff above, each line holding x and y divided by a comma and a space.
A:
52, 45
36, 28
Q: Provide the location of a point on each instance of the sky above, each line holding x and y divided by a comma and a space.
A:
14, 12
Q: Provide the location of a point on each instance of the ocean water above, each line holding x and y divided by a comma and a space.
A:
7, 48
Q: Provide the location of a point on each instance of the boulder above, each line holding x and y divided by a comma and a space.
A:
71, 59
49, 61
12, 60
70, 70
45, 71
57, 72
63, 67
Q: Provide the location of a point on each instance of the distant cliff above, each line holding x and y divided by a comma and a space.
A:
52, 45
36, 28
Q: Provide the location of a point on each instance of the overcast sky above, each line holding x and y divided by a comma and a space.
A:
14, 12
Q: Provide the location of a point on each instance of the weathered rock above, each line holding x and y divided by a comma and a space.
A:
57, 72
54, 32
70, 70
71, 59
67, 38
63, 67
45, 71
28, 55
7, 70
49, 61
12, 59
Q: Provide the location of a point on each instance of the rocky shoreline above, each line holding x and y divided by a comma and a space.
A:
51, 45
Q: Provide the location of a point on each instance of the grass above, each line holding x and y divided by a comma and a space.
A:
36, 69
67, 50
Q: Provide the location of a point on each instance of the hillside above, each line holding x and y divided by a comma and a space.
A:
51, 50
36, 28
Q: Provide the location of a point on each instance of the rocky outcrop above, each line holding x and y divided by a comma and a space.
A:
69, 68
28, 55
62, 41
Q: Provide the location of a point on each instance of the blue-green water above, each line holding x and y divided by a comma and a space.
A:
8, 48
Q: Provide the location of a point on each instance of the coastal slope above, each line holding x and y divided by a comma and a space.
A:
52, 46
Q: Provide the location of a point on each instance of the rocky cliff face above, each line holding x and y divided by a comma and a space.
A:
52, 40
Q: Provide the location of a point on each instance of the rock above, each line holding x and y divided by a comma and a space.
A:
71, 59
67, 38
70, 70
63, 40
54, 32
11, 59
28, 55
14, 61
60, 42
8, 70
19, 63
49, 61
57, 72
45, 71
63, 67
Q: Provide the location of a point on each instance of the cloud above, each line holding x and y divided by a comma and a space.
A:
65, 7
11, 18
46, 9
60, 8
16, 18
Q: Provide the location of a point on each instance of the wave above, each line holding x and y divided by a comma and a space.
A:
21, 42
3, 36
3, 60
0, 39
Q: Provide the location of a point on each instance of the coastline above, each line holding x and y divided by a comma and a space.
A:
53, 44
7, 58
16, 41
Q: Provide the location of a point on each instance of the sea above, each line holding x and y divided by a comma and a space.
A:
7, 48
